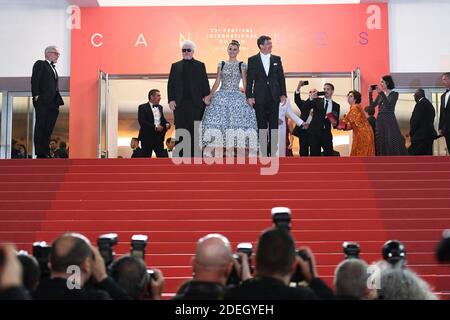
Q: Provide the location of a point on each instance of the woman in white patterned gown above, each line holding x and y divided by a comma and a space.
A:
228, 112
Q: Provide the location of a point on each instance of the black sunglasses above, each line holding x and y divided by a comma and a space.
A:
186, 50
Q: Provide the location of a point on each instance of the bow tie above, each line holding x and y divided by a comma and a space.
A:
53, 65
154, 106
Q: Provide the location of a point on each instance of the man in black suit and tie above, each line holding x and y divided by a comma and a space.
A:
444, 119
422, 130
187, 88
153, 125
266, 88
325, 116
46, 100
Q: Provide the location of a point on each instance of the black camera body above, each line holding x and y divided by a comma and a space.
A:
394, 252
41, 251
374, 86
351, 250
305, 83
321, 93
105, 244
138, 245
245, 247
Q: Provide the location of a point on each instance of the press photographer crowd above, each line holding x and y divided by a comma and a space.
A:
74, 269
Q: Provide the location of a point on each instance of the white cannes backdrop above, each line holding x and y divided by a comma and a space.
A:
418, 31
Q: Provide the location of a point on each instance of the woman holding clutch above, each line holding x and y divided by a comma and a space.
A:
363, 138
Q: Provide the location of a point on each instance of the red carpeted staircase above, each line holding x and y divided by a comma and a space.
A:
368, 200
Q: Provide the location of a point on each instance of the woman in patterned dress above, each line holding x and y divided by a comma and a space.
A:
363, 139
389, 140
229, 121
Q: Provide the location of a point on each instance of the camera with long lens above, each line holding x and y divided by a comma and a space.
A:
106, 243
41, 251
351, 250
138, 245
245, 247
443, 248
394, 253
281, 217
147, 294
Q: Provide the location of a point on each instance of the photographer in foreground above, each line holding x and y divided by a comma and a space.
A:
276, 263
212, 265
74, 263
131, 274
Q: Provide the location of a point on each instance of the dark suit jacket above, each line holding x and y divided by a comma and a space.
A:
45, 85
444, 119
422, 121
319, 122
257, 80
61, 153
56, 289
16, 293
147, 123
166, 153
137, 153
200, 290
199, 85
273, 289
299, 102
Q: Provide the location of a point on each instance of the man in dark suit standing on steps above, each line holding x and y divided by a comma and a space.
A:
300, 131
153, 125
325, 116
422, 130
46, 100
266, 88
187, 88
444, 119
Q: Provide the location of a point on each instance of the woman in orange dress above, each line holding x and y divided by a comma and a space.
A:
363, 138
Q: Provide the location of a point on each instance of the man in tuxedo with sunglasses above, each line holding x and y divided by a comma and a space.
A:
187, 88
46, 100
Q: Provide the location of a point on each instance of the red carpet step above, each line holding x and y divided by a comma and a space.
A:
368, 200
